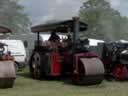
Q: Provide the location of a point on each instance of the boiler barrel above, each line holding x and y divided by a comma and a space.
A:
7, 74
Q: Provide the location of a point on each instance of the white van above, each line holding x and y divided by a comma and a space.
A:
17, 49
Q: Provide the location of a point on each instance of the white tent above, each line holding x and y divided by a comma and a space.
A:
123, 41
94, 42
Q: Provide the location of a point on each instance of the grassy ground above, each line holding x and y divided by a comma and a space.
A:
25, 86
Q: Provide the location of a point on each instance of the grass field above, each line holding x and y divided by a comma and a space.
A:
25, 86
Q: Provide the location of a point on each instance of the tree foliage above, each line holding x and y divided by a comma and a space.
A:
13, 16
103, 21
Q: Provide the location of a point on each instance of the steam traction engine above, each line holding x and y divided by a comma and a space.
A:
7, 67
67, 57
115, 58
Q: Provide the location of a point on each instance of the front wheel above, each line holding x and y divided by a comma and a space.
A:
120, 72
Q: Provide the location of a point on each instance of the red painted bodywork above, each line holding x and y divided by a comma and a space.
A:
56, 64
85, 55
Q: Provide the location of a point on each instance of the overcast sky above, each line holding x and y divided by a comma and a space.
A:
43, 10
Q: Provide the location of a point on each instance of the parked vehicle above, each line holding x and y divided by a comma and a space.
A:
66, 58
18, 51
7, 68
115, 58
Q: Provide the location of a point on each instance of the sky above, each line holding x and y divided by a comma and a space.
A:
43, 10
120, 5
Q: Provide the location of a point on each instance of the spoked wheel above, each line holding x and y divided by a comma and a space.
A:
120, 72
36, 66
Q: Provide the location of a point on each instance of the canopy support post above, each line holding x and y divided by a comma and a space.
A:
38, 38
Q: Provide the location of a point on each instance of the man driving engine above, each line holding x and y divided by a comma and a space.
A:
54, 37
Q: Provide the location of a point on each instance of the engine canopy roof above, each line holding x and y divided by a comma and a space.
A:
61, 26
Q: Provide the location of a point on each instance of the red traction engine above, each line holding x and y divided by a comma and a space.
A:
66, 58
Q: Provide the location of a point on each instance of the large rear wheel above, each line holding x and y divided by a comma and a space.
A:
36, 66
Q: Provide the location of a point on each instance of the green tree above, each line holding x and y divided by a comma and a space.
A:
103, 21
13, 16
